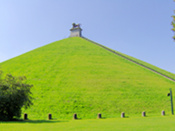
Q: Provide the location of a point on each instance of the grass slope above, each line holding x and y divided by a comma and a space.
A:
145, 64
76, 76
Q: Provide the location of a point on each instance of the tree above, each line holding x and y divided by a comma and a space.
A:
14, 94
173, 23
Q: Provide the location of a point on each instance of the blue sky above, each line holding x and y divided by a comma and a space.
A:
139, 28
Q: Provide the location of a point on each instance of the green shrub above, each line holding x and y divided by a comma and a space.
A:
14, 94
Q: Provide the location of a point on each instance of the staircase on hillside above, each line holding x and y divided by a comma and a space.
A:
129, 59
76, 31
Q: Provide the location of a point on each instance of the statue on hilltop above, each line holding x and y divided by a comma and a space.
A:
75, 25
75, 30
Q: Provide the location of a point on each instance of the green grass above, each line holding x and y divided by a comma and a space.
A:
158, 123
166, 73
169, 74
76, 76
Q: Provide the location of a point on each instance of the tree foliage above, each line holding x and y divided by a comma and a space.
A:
173, 23
14, 94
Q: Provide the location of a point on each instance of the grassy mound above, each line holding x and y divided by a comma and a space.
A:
75, 76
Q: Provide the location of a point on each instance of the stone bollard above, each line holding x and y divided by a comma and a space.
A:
99, 116
163, 113
25, 116
49, 116
122, 115
75, 116
143, 113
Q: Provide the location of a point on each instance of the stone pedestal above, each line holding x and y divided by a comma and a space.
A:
49, 116
25, 116
75, 30
75, 116
122, 115
163, 113
99, 116
144, 114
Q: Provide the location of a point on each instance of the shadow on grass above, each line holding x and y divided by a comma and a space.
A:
34, 121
